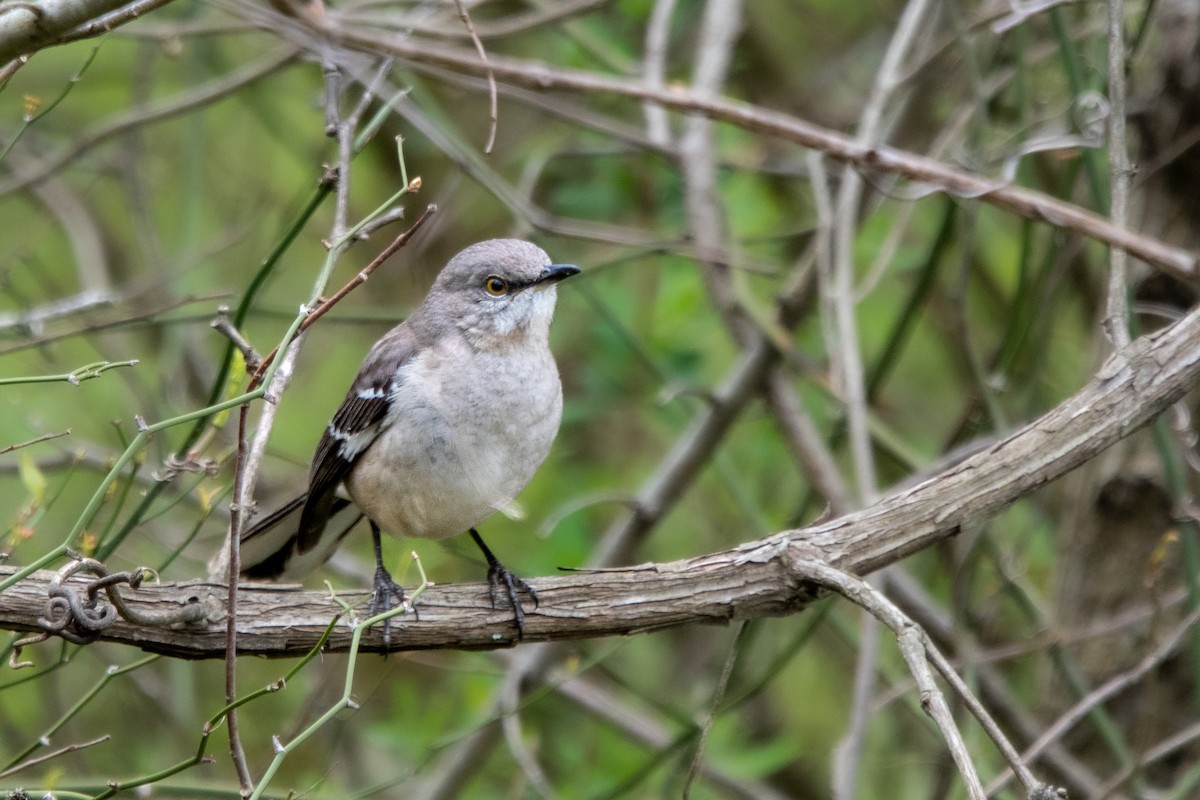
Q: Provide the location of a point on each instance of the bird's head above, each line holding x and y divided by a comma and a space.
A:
498, 291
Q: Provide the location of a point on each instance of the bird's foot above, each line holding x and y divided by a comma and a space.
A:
385, 591
499, 577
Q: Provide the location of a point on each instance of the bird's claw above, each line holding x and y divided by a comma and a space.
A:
498, 576
385, 590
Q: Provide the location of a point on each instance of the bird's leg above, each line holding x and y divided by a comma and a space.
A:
385, 589
498, 575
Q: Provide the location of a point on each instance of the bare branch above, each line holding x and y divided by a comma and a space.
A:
491, 79
223, 324
955, 182
1116, 316
654, 70
1111, 688
45, 437
42, 759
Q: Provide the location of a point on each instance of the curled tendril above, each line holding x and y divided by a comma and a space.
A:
78, 614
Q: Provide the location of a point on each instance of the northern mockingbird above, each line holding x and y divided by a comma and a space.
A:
451, 413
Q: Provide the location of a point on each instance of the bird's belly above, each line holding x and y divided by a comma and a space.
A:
448, 477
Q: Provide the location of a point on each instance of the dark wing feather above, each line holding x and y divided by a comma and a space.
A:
265, 550
351, 431
279, 557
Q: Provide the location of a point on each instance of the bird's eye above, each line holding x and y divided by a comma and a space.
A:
495, 286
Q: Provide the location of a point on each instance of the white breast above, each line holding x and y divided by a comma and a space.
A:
465, 433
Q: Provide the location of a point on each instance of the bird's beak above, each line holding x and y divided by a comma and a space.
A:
555, 273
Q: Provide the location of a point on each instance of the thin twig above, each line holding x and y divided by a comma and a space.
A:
815, 460
237, 521
915, 647
989, 725
847, 753
45, 437
919, 652
718, 696
223, 325
517, 23
74, 377
912, 597
654, 70
343, 133
135, 319
509, 698
345, 701
70, 748
354, 282
1116, 313
382, 221
10, 69
369, 93
332, 77
707, 222
1101, 694
493, 115
1164, 749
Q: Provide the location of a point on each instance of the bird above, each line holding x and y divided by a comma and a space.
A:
449, 417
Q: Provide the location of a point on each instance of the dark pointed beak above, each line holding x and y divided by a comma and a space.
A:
556, 272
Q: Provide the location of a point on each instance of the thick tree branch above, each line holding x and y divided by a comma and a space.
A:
26, 27
757, 579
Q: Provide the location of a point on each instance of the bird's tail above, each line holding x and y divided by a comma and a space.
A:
268, 546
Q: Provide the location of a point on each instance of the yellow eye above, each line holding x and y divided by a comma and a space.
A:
495, 286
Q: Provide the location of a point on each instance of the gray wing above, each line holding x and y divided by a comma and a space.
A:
353, 429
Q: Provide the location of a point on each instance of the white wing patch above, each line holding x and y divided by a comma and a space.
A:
352, 444
373, 392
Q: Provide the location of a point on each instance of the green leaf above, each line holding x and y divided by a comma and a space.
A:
32, 477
